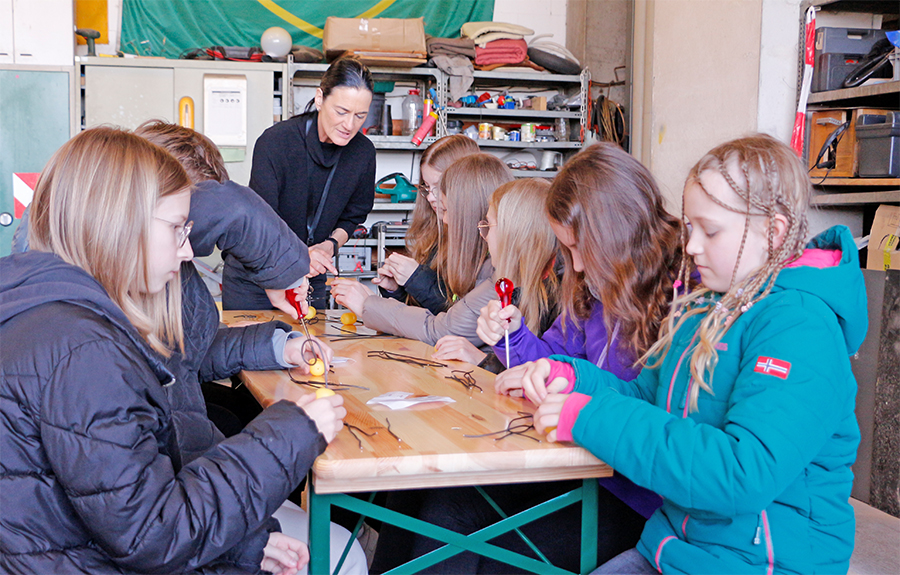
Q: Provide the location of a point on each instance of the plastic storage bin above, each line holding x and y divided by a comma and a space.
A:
879, 145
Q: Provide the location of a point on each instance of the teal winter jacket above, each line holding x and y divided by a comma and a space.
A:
758, 479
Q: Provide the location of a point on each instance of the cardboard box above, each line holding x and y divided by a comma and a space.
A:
884, 251
389, 37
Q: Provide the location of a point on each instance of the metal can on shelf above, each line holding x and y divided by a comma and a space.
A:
499, 133
484, 131
514, 135
527, 132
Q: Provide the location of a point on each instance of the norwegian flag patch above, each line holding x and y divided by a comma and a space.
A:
772, 366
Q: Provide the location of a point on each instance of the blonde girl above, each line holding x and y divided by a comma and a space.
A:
94, 480
416, 275
524, 250
462, 260
744, 417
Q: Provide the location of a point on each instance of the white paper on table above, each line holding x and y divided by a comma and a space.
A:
404, 399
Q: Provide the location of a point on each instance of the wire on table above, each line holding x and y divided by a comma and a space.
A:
465, 378
408, 359
516, 426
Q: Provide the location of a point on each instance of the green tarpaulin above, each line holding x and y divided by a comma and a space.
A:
170, 27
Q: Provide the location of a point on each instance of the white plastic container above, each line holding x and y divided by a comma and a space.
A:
413, 108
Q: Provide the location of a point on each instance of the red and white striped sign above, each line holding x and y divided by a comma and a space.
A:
23, 191
772, 366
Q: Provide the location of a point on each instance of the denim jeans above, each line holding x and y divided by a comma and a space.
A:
628, 563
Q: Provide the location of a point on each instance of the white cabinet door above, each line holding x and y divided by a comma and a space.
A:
43, 32
6, 32
127, 97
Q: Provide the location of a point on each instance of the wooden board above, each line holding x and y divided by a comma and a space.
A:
433, 450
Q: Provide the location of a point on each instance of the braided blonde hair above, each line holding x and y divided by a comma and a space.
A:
773, 182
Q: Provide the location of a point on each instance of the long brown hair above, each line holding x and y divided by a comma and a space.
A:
467, 184
196, 153
628, 241
422, 238
526, 246
93, 207
769, 179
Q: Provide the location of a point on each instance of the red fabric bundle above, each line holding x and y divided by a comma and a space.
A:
501, 52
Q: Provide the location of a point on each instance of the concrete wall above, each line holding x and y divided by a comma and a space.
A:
699, 81
542, 16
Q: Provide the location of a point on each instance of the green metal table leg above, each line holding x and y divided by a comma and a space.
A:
503, 515
319, 531
589, 517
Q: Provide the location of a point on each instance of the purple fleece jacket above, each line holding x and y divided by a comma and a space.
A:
585, 340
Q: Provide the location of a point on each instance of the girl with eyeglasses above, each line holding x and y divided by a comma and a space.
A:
416, 275
462, 260
96, 477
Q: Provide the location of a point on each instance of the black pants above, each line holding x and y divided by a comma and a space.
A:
465, 511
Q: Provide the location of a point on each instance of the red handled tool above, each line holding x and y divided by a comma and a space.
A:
504, 288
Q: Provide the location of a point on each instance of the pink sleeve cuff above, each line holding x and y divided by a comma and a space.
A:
571, 408
563, 370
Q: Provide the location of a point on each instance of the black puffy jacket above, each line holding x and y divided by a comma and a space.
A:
237, 221
91, 476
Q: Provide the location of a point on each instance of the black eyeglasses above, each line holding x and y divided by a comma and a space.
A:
182, 231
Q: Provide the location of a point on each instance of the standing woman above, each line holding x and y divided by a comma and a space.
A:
416, 275
318, 173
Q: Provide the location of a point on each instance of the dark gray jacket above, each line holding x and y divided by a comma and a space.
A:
91, 478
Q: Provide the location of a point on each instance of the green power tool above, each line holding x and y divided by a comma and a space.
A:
402, 191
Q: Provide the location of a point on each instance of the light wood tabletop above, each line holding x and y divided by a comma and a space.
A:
432, 449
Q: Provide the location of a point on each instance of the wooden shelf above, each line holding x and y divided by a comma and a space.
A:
856, 182
874, 6
857, 198
518, 113
528, 145
393, 207
869, 91
534, 173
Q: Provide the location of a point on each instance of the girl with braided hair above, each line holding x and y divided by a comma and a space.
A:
743, 418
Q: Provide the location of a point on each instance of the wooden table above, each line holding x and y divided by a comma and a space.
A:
432, 450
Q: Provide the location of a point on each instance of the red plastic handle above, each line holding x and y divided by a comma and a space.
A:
504, 288
292, 298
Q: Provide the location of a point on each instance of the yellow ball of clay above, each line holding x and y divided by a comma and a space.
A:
323, 392
317, 367
348, 318
310, 313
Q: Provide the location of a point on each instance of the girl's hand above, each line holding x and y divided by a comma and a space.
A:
351, 294
279, 300
534, 380
319, 259
328, 413
455, 347
402, 267
547, 415
509, 382
494, 320
284, 555
386, 279
301, 355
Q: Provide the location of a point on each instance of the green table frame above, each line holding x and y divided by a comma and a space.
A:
320, 518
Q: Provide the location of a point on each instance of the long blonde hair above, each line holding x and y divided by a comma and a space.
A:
424, 232
526, 246
627, 239
769, 178
93, 207
467, 184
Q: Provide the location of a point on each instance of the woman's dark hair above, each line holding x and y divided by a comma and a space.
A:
346, 72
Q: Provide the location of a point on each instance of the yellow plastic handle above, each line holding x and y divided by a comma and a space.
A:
186, 112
